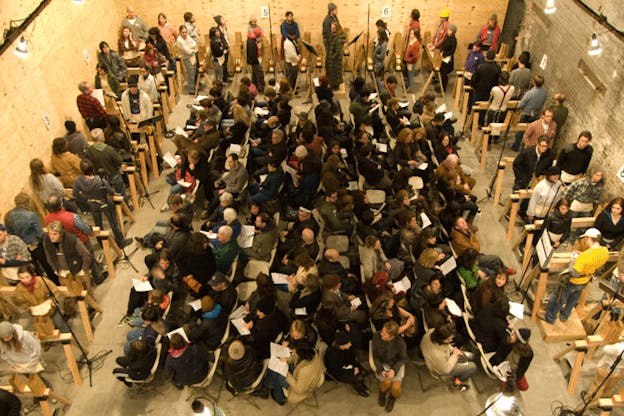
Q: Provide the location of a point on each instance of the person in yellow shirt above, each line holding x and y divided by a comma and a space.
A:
581, 270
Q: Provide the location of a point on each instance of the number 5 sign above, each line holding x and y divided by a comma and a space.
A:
385, 12
264, 12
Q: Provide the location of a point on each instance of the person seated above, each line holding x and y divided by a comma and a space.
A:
307, 297
175, 239
434, 303
264, 239
456, 185
137, 300
330, 264
521, 356
372, 169
491, 328
222, 292
328, 210
338, 302
389, 356
76, 141
21, 349
177, 205
63, 163
444, 147
232, 181
137, 364
489, 291
335, 179
443, 359
610, 223
407, 155
374, 260
342, 364
186, 364
267, 189
241, 367
265, 289
385, 309
128, 48
306, 245
265, 326
214, 214
299, 384
208, 324
181, 180
225, 249
469, 271
230, 218
147, 82
154, 327
300, 333
136, 105
10, 404
463, 238
395, 120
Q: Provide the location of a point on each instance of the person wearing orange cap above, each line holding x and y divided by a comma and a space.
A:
442, 30
254, 51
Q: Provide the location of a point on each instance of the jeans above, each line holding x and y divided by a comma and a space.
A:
563, 301
411, 75
59, 322
109, 211
191, 70
117, 183
579, 231
277, 383
218, 70
463, 370
257, 76
291, 74
176, 188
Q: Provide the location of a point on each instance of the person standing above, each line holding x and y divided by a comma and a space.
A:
442, 30
582, 268
412, 52
531, 106
217, 50
221, 23
334, 56
574, 158
136, 25
380, 51
332, 16
560, 112
447, 49
187, 47
490, 33
291, 56
544, 196
254, 55
285, 26
189, 22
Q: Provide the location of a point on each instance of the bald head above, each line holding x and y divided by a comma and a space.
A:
98, 135
307, 235
332, 254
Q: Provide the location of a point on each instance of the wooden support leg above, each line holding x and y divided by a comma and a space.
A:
505, 210
426, 85
475, 126
171, 81
459, 88
153, 155
576, 368
539, 295
179, 72
143, 164
133, 190
580, 306
120, 217
499, 183
54, 395
484, 148
71, 359
104, 240
86, 322
515, 205
440, 81
528, 250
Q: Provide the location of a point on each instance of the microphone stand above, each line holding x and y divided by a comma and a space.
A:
587, 402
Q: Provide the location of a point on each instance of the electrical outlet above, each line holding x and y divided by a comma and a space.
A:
46, 121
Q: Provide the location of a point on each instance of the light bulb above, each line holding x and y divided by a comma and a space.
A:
21, 51
550, 7
594, 46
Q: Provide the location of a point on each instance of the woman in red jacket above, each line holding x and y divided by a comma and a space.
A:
490, 33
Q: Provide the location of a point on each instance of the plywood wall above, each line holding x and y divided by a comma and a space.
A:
353, 14
45, 82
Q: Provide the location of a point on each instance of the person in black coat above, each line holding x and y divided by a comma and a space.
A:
483, 80
174, 241
186, 364
257, 75
342, 364
241, 367
207, 325
447, 49
199, 264
137, 364
532, 162
268, 323
492, 330
308, 297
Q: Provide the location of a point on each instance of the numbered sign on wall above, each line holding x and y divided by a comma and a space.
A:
620, 173
264, 12
385, 12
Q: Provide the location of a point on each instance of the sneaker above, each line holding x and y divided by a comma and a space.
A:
522, 384
164, 208
139, 241
542, 315
511, 271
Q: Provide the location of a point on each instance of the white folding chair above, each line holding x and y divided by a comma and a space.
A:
202, 386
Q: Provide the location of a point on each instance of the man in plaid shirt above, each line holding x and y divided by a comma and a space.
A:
90, 108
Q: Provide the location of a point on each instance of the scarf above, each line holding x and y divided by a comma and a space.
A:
179, 352
31, 286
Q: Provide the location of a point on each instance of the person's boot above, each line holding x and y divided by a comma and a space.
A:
390, 403
381, 400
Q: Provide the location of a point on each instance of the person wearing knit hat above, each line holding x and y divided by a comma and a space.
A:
268, 323
241, 368
254, 54
521, 356
236, 350
207, 304
441, 31
342, 364
19, 347
332, 16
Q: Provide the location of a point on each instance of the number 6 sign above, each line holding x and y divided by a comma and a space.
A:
385, 11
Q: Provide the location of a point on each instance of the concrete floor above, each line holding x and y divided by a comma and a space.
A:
109, 397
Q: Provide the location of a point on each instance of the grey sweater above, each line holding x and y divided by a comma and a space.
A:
392, 353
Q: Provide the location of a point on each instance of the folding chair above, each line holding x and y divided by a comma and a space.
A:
313, 395
484, 357
246, 394
202, 386
138, 386
245, 289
